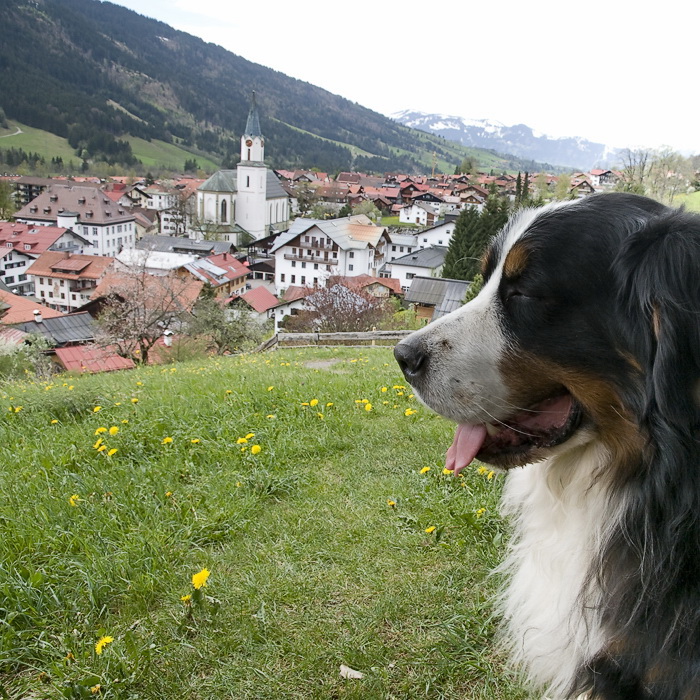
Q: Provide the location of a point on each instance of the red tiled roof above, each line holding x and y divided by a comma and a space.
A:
40, 238
92, 358
51, 264
22, 309
260, 299
294, 293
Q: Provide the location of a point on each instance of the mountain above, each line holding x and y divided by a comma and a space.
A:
519, 140
106, 78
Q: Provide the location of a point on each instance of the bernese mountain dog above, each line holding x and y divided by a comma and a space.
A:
579, 363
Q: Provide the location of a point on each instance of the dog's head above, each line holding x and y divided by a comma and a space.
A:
562, 344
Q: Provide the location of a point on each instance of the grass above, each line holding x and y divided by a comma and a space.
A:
311, 565
690, 201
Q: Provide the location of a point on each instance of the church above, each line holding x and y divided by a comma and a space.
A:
245, 203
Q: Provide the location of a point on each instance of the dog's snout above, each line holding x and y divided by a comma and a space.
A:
411, 358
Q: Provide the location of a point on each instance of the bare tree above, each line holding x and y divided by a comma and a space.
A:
140, 307
636, 166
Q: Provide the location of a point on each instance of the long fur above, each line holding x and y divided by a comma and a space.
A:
602, 298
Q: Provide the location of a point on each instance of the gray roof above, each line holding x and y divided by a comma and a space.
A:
227, 181
179, 244
430, 258
71, 328
252, 125
445, 295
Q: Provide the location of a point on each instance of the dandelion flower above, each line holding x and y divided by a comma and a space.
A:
329, 404
195, 441
113, 430
255, 449
102, 642
74, 500
250, 436
490, 475
480, 512
446, 471
384, 390
168, 494
270, 388
241, 441
425, 470
200, 579
18, 409
54, 421
113, 451
96, 689
228, 391
320, 416
313, 402
390, 503
97, 409
102, 448
134, 400
409, 412
98, 443
100, 430
186, 598
271, 416
430, 529
166, 441
368, 406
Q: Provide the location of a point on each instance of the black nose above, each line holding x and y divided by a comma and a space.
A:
411, 358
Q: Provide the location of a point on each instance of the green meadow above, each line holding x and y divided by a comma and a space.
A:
241, 527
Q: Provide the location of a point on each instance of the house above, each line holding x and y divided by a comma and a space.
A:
247, 201
420, 213
64, 281
425, 262
581, 189
178, 244
223, 273
85, 210
438, 235
311, 250
603, 179
290, 304
153, 262
434, 297
22, 244
259, 301
18, 309
380, 287
66, 329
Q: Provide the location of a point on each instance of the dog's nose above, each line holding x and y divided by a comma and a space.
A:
411, 358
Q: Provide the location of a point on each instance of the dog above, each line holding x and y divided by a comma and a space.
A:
579, 361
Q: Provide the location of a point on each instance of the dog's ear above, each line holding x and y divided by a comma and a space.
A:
659, 273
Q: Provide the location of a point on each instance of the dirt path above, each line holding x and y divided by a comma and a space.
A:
19, 131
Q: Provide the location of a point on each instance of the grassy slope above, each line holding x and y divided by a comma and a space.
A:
151, 154
310, 566
690, 201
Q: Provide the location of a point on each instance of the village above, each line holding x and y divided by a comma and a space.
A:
261, 242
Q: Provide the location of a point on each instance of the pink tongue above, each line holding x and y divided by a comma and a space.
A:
467, 443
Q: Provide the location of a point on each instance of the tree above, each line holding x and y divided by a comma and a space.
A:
636, 164
458, 262
338, 309
226, 330
7, 200
562, 191
368, 208
140, 307
306, 197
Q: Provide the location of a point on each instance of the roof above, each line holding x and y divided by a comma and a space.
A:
67, 328
92, 358
218, 269
73, 267
21, 309
430, 258
252, 125
12, 336
363, 281
153, 259
260, 299
92, 206
349, 232
179, 244
227, 181
294, 293
39, 238
445, 295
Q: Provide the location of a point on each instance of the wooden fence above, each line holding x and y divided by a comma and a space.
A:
368, 338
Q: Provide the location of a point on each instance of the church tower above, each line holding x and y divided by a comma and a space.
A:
252, 177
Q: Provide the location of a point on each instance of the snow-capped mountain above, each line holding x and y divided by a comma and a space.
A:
519, 140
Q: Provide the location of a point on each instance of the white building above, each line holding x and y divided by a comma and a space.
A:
247, 200
312, 250
426, 262
86, 210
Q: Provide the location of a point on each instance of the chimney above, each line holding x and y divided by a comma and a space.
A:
37, 316
168, 338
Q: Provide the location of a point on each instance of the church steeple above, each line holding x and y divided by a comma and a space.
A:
252, 141
252, 126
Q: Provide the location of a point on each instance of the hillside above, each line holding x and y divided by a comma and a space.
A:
99, 76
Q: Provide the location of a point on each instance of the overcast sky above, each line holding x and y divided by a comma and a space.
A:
617, 72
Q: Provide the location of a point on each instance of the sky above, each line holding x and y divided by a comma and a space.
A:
615, 72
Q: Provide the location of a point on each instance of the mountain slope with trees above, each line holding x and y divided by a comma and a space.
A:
96, 74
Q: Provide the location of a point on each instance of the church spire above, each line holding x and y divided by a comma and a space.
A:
252, 126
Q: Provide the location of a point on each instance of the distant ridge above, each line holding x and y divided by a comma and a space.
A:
519, 140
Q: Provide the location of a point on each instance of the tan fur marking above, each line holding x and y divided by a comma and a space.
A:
516, 261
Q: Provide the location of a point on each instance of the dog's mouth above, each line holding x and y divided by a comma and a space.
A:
519, 439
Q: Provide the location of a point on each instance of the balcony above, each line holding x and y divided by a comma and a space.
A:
330, 260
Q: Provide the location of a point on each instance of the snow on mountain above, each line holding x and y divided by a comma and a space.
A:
519, 140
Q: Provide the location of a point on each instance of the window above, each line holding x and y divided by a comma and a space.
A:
303, 279
315, 266
27, 246
351, 254
401, 249
9, 279
294, 279
294, 263
425, 240
94, 230
410, 275
247, 181
22, 278
351, 268
303, 265
223, 211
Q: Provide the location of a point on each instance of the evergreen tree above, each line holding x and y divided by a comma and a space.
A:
518, 189
458, 264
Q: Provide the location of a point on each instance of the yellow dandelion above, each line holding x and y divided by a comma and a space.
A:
113, 430
425, 470
482, 471
271, 416
195, 441
250, 436
490, 475
390, 503
320, 415
18, 409
255, 449
97, 409
364, 401
96, 689
480, 512
186, 598
399, 393
168, 494
409, 412
100, 430
430, 529
139, 383
313, 402
270, 388
446, 471
74, 500
200, 579
166, 441
102, 448
54, 421
98, 443
241, 441
305, 403
228, 391
398, 386
102, 642
368, 406
134, 400
113, 451
384, 390
329, 404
